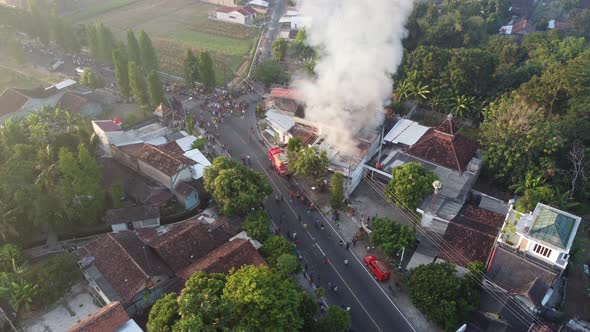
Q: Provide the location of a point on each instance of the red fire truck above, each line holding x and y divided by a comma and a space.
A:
278, 160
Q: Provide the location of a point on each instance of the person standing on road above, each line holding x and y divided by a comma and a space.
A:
346, 262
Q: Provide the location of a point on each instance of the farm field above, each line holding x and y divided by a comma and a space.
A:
174, 25
25, 78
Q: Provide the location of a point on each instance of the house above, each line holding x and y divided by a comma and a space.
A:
518, 26
287, 100
279, 124
241, 15
471, 235
121, 267
560, 26
18, 103
137, 267
441, 149
164, 163
232, 254
186, 195
134, 217
294, 20
111, 318
545, 235
260, 6
110, 132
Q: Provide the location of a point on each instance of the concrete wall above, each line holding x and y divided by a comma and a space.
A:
231, 17
155, 174
123, 158
221, 2
119, 227
147, 223
184, 174
189, 202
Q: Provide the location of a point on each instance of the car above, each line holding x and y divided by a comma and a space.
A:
379, 269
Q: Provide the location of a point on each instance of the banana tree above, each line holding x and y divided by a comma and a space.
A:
419, 91
463, 105
402, 91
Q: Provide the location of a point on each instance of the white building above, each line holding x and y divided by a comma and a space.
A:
241, 15
110, 132
546, 234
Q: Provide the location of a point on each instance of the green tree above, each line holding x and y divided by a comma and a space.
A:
121, 72
21, 296
92, 40
275, 247
91, 79
163, 314
206, 72
147, 53
310, 162
409, 185
288, 264
138, 85
263, 300
235, 187
308, 309
279, 49
81, 190
53, 277
10, 255
191, 68
517, 138
133, 47
257, 225
270, 72
471, 72
106, 43
337, 192
442, 296
391, 237
464, 106
581, 20
336, 320
202, 298
116, 195
17, 52
156, 91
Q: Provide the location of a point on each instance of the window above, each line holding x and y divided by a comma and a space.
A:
543, 251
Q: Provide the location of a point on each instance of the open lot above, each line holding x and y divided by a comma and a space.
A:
174, 25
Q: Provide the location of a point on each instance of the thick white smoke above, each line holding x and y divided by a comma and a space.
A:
360, 46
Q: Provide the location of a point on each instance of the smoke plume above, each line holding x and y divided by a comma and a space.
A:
360, 47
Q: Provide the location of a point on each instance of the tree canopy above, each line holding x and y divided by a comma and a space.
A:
248, 299
147, 53
337, 191
310, 162
121, 72
235, 187
206, 71
409, 185
391, 237
445, 298
257, 225
270, 72
91, 79
190, 68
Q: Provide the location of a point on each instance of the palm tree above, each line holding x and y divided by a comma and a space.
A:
46, 167
21, 295
438, 102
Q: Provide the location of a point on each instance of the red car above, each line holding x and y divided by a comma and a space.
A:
379, 269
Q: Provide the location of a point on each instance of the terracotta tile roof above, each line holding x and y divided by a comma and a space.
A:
307, 135
11, 101
133, 150
444, 146
72, 102
124, 261
232, 254
188, 241
563, 26
522, 25
108, 319
164, 158
131, 214
108, 125
184, 189
286, 93
471, 235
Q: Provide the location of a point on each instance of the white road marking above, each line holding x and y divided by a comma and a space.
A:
323, 253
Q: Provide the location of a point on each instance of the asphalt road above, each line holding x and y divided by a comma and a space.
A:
372, 308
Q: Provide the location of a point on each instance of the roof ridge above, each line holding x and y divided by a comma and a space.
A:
166, 153
128, 255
